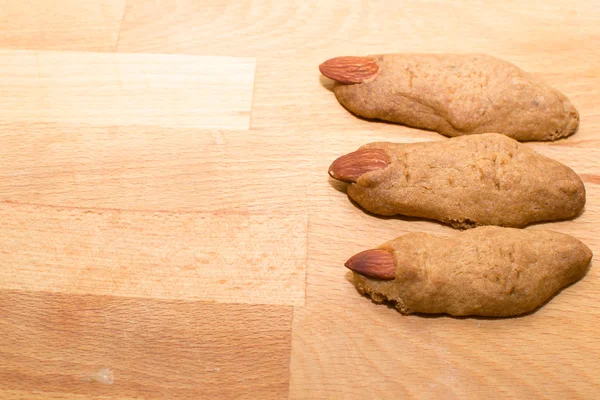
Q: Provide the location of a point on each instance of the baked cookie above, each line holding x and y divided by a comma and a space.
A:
453, 94
487, 271
487, 179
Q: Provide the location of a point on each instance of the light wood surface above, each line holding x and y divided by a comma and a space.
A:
126, 89
153, 348
166, 212
60, 24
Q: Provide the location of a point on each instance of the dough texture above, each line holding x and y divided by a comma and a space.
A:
486, 179
460, 94
487, 271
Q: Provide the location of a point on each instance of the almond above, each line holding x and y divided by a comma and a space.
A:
350, 167
374, 263
349, 69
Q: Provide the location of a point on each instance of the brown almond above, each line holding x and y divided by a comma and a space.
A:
349, 69
374, 263
350, 167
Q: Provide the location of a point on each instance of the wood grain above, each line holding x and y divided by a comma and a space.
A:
117, 198
171, 255
61, 24
155, 349
151, 212
153, 169
126, 89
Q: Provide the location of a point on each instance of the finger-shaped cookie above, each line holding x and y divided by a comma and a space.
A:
487, 271
486, 179
453, 94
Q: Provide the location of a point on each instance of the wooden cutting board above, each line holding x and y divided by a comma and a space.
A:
169, 230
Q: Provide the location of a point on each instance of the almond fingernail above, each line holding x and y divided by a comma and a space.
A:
374, 263
349, 69
350, 167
